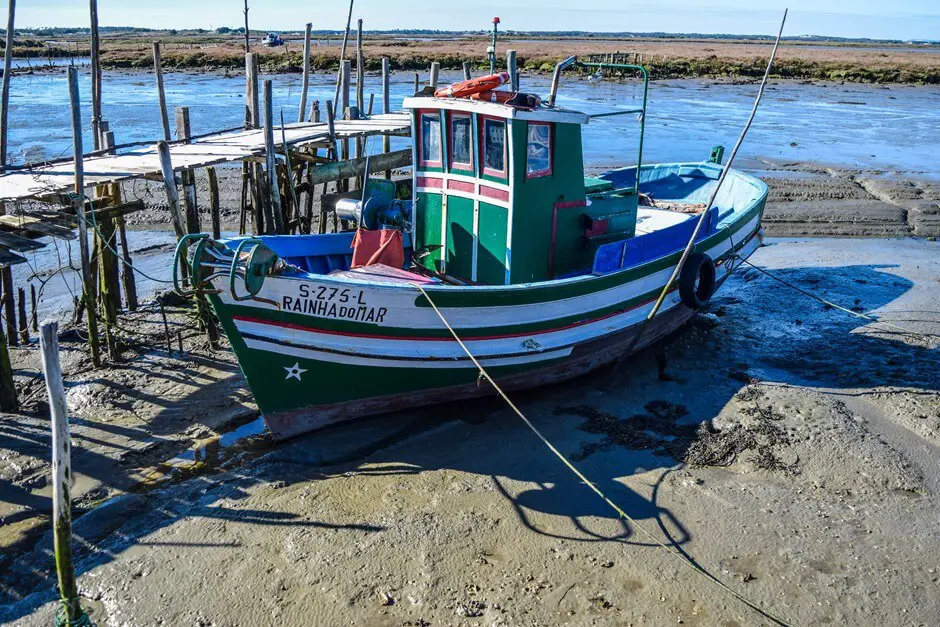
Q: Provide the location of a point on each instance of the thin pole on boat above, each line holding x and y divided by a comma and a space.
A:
708, 206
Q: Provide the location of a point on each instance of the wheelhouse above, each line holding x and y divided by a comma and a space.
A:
500, 192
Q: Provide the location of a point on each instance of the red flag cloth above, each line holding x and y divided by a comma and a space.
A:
383, 246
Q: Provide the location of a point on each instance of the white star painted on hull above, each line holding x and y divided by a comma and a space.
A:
294, 371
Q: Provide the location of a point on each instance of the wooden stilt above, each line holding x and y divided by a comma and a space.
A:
188, 178
466, 70
435, 72
9, 305
417, 82
161, 95
24, 322
95, 75
130, 281
79, 202
386, 106
5, 90
34, 318
166, 330
277, 215
306, 80
71, 609
214, 202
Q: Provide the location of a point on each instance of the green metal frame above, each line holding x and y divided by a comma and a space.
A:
642, 111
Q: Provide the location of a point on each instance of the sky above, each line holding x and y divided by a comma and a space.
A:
876, 19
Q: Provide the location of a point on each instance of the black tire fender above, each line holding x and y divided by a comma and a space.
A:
697, 280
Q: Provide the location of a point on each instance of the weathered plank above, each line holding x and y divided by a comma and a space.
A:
144, 161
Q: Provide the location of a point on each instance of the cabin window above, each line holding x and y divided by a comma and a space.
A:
494, 147
539, 150
460, 134
430, 139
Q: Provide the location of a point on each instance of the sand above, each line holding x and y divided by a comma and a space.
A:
787, 448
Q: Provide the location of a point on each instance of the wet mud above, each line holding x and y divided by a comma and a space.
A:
786, 447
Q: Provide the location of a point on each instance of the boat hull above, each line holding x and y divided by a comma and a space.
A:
319, 349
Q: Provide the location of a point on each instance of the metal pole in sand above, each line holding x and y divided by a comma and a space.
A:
70, 611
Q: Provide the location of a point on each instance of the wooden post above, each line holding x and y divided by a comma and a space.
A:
315, 111
9, 304
169, 184
183, 131
5, 92
277, 219
6, 274
466, 70
340, 113
130, 281
34, 319
110, 290
360, 69
306, 82
386, 105
251, 90
513, 70
247, 35
417, 82
95, 74
342, 52
166, 330
161, 94
435, 71
79, 201
24, 322
214, 202
61, 474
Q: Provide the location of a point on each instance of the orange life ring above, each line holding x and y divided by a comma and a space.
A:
473, 86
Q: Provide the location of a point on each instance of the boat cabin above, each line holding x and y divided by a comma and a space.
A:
500, 192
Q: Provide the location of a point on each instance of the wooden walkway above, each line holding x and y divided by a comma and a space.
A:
210, 150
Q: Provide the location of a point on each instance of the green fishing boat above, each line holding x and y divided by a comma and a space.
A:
543, 272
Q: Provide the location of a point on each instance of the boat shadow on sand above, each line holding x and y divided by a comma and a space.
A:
646, 424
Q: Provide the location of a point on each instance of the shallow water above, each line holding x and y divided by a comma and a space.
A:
856, 126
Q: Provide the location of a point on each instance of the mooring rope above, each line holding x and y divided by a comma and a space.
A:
832, 304
686, 560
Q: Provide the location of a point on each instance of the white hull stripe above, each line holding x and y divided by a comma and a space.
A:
358, 360
445, 347
399, 300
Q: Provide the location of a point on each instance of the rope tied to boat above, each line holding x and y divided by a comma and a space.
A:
483, 374
829, 303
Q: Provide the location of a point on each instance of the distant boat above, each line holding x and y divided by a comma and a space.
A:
543, 272
271, 40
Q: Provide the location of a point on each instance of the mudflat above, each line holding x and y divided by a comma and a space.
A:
789, 449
